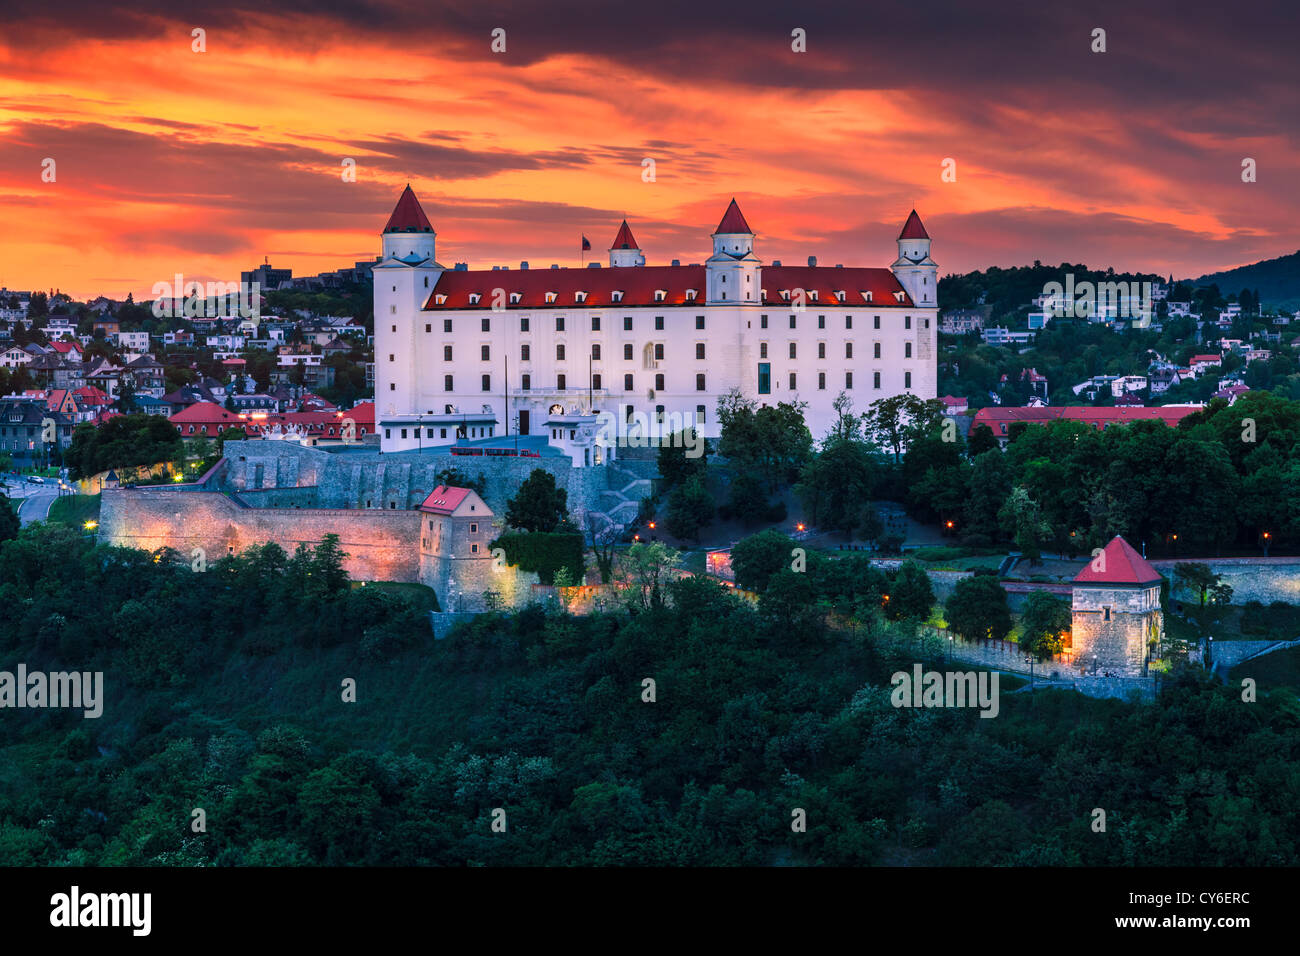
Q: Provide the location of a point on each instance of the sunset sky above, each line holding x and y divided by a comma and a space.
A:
168, 160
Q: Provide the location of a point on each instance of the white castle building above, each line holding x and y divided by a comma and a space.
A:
494, 353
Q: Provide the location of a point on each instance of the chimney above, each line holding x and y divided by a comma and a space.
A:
523, 265
776, 263
555, 265
677, 262
812, 261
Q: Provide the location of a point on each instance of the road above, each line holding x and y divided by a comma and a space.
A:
32, 501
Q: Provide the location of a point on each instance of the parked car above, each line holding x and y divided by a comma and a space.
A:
35, 480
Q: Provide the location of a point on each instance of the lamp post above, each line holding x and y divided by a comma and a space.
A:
1029, 659
1267, 539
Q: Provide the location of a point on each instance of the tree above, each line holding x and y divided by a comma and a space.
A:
1199, 577
9, 523
646, 568
835, 485
539, 505
980, 440
755, 559
1044, 618
677, 459
977, 609
1022, 522
690, 507
910, 595
602, 536
893, 422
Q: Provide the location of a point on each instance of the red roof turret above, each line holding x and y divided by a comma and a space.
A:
733, 221
912, 229
1120, 565
624, 239
407, 215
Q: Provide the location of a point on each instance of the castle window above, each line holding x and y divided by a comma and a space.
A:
627, 323
848, 379
875, 321
580, 296
551, 297
659, 323
524, 352
627, 382
595, 323
559, 323
559, 382
907, 321
699, 350
699, 321
446, 353
848, 350
659, 351
627, 352
446, 325
486, 352
907, 380
821, 350
793, 350
907, 350
699, 414
486, 325
595, 382
699, 383
428, 326
876, 349
559, 353
595, 351
792, 385
792, 321
821, 381
617, 295
875, 381
487, 383
762, 350
659, 295
659, 382
762, 321
474, 297
526, 382
523, 323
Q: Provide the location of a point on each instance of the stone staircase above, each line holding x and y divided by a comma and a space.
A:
619, 506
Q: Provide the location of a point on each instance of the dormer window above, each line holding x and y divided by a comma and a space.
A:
515, 297
812, 294
660, 294
785, 295
839, 294
580, 296
474, 297
899, 296
690, 295
552, 296
617, 295
866, 296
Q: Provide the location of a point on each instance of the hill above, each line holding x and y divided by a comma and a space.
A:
1276, 280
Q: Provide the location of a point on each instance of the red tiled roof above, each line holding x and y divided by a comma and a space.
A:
912, 229
1205, 358
998, 418
639, 285
733, 221
65, 346
407, 215
444, 499
1121, 565
211, 419
624, 239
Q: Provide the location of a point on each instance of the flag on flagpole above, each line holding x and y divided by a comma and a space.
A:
586, 244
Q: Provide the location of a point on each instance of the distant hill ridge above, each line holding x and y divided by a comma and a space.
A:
1277, 280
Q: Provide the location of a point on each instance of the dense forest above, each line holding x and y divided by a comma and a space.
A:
223, 692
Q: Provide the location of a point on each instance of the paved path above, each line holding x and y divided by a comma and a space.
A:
36, 506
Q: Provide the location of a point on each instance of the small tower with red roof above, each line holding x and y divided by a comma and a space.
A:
917, 272
733, 269
625, 252
1116, 621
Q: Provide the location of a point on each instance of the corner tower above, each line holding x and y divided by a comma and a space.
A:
916, 271
1116, 623
404, 281
733, 269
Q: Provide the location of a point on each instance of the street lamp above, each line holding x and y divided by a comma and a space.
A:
1029, 659
1267, 539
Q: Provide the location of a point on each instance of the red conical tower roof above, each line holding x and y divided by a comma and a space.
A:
407, 215
1120, 564
733, 222
624, 239
912, 229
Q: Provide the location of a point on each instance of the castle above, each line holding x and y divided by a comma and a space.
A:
498, 351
